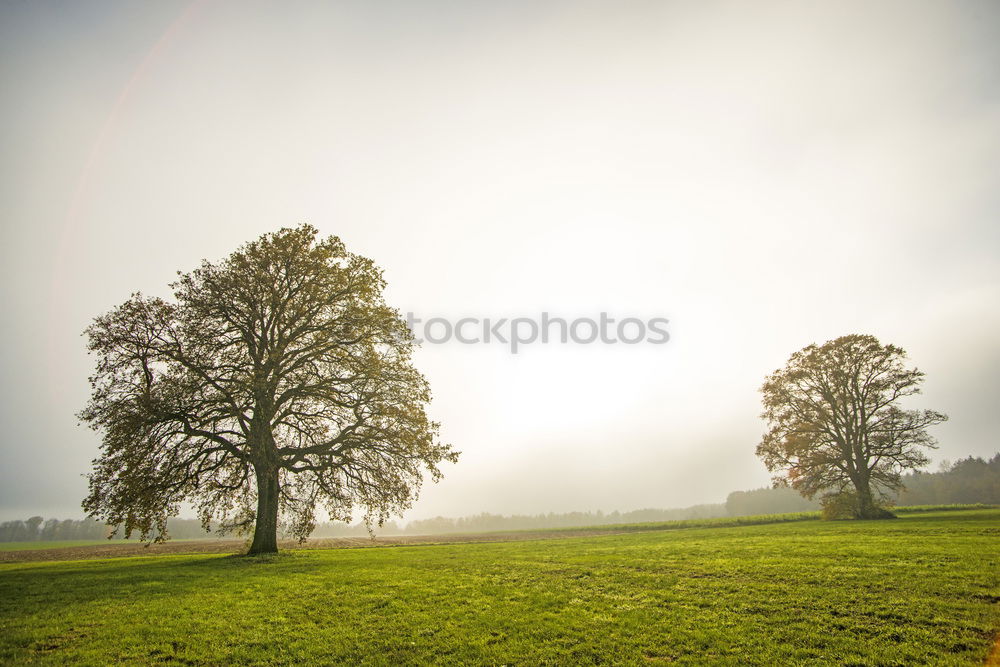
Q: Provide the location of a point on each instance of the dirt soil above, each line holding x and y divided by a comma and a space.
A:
230, 546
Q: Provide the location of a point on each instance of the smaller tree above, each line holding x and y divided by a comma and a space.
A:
836, 425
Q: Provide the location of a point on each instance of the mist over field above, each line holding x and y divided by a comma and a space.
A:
763, 177
529, 332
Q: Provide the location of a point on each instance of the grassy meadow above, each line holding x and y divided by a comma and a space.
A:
923, 589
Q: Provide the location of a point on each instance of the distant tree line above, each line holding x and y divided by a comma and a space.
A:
37, 528
768, 501
969, 480
497, 522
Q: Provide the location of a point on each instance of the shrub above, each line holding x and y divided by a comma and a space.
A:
842, 505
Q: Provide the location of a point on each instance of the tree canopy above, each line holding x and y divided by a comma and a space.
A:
275, 383
836, 425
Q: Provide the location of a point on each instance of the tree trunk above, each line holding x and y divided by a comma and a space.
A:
866, 504
265, 534
867, 509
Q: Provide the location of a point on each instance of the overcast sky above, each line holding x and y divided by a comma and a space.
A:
765, 175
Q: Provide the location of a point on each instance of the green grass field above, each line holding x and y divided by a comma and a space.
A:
921, 589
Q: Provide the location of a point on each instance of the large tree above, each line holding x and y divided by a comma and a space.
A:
836, 424
275, 383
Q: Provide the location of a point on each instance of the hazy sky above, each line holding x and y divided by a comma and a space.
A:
765, 175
